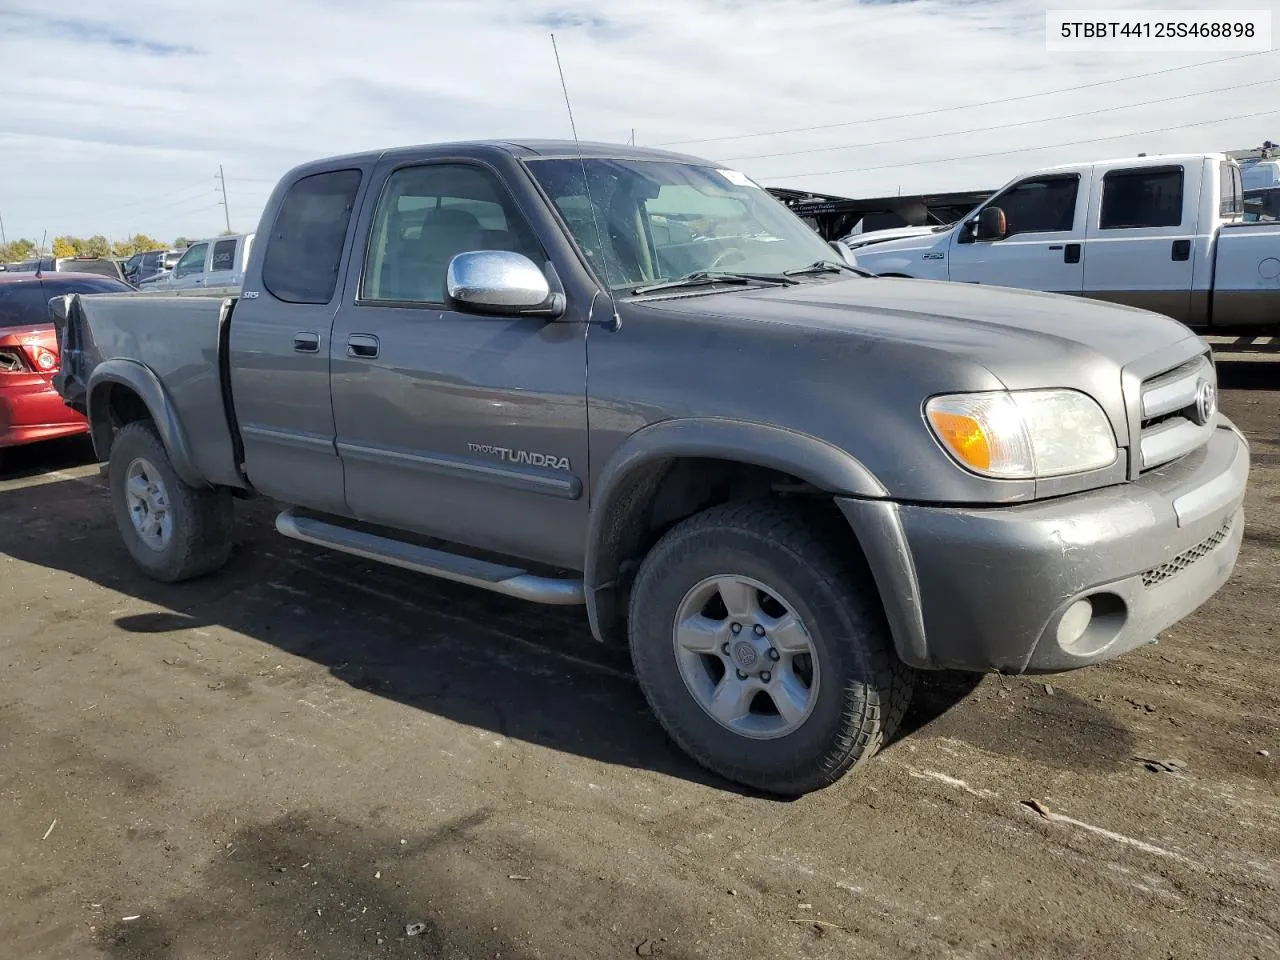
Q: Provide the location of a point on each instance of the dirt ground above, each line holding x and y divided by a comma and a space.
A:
307, 756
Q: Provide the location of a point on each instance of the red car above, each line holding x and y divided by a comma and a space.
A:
30, 409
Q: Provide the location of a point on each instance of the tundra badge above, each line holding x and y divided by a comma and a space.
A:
521, 456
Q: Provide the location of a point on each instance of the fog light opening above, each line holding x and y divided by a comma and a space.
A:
1091, 624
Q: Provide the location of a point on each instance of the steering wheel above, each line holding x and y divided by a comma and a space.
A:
724, 255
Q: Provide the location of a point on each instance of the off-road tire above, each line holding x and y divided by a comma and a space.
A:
203, 517
865, 688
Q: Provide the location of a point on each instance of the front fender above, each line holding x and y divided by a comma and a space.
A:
143, 382
628, 479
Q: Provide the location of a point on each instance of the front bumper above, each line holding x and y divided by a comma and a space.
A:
1062, 583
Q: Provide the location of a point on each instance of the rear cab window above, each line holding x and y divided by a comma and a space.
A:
1231, 197
304, 247
224, 255
1150, 197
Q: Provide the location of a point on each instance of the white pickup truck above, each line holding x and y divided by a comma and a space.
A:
1165, 233
208, 268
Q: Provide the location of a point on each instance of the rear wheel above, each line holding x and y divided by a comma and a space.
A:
173, 531
763, 649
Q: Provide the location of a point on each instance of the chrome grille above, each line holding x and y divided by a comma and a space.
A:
1171, 418
1172, 568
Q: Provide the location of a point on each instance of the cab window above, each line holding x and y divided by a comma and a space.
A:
1042, 205
192, 261
429, 214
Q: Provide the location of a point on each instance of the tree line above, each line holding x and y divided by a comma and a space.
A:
95, 246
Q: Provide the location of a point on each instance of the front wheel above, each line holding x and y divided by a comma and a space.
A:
173, 531
762, 648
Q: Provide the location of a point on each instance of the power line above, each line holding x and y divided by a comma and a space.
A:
964, 106
1003, 126
1047, 146
112, 211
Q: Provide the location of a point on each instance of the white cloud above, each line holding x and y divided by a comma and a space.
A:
115, 119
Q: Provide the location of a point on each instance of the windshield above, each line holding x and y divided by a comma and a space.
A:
660, 220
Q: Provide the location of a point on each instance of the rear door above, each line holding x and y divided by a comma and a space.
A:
188, 274
1142, 231
279, 344
1041, 250
467, 427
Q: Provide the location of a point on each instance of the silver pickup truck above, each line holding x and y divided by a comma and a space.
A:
633, 380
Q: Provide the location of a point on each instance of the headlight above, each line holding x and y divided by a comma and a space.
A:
1024, 434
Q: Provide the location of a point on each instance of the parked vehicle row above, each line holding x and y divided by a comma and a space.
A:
1164, 233
100, 266
786, 485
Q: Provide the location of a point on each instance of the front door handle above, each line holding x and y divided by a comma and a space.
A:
306, 342
362, 345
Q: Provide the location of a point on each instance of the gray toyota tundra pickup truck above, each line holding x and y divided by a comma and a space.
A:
634, 381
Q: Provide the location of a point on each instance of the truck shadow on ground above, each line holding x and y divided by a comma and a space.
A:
523, 671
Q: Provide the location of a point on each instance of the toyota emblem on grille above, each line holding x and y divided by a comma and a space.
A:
1206, 404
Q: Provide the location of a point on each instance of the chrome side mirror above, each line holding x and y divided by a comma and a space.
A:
501, 282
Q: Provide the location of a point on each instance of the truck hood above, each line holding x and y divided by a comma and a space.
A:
1023, 339
1001, 327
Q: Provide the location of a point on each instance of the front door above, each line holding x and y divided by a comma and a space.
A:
1041, 249
465, 427
188, 272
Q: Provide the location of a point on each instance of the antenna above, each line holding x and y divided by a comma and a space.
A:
586, 182
40, 255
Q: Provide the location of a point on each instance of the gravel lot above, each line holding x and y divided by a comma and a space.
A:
306, 756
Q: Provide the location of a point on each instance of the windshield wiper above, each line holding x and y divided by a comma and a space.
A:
826, 266
702, 278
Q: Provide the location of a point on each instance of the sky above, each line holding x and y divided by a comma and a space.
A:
116, 117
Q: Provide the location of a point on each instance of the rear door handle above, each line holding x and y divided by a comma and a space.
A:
1181, 250
1071, 254
362, 345
306, 342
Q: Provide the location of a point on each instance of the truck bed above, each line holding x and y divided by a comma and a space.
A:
1246, 281
173, 346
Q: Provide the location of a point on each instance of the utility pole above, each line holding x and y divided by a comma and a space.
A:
226, 209
3, 242
633, 136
